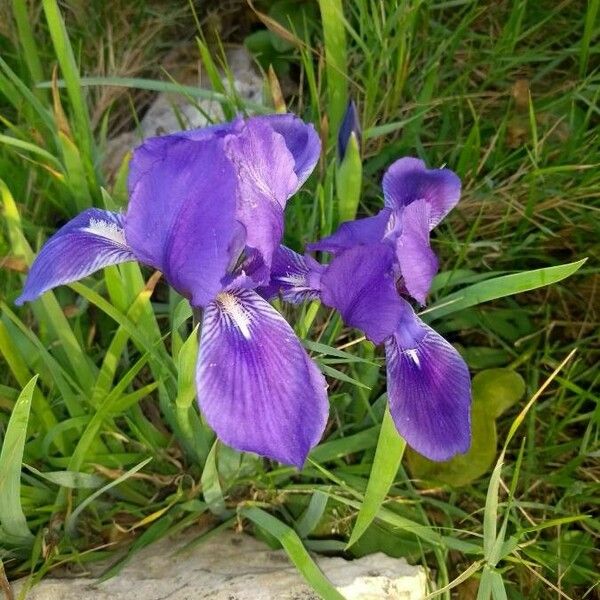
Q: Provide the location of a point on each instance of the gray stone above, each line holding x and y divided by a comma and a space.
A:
234, 566
174, 112
170, 112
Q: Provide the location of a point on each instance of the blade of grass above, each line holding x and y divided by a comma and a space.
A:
292, 544
388, 456
71, 520
500, 287
70, 71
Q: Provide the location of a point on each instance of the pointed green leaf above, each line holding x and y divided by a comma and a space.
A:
388, 455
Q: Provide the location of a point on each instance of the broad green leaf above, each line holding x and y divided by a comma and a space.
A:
498, 389
500, 287
292, 544
334, 37
14, 528
388, 456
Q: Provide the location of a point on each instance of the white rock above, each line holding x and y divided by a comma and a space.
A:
170, 112
174, 112
234, 567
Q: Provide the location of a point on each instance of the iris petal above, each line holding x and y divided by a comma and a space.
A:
92, 240
418, 262
353, 233
429, 389
181, 216
265, 172
257, 387
360, 285
408, 180
294, 277
301, 140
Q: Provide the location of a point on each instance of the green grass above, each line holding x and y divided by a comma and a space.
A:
507, 95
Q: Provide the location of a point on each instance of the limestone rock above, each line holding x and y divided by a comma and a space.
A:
170, 112
234, 567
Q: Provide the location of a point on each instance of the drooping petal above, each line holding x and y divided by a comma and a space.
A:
294, 277
257, 387
181, 216
360, 285
92, 240
353, 233
301, 140
418, 262
265, 171
408, 180
429, 389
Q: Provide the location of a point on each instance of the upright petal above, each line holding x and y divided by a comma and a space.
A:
265, 171
181, 216
301, 140
257, 387
294, 277
429, 389
369, 230
360, 285
92, 240
408, 180
418, 262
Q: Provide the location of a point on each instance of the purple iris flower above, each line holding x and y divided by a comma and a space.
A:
206, 208
375, 262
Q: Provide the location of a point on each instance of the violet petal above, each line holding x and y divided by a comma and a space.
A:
360, 285
369, 230
429, 389
181, 215
418, 262
257, 386
92, 240
408, 180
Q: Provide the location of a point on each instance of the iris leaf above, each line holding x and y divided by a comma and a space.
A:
500, 287
292, 544
388, 455
12, 519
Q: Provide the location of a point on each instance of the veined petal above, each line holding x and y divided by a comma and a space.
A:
360, 285
354, 233
301, 140
418, 262
181, 216
265, 172
429, 389
408, 180
294, 277
92, 240
257, 387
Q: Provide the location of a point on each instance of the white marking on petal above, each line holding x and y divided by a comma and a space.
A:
293, 279
107, 230
236, 312
414, 356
